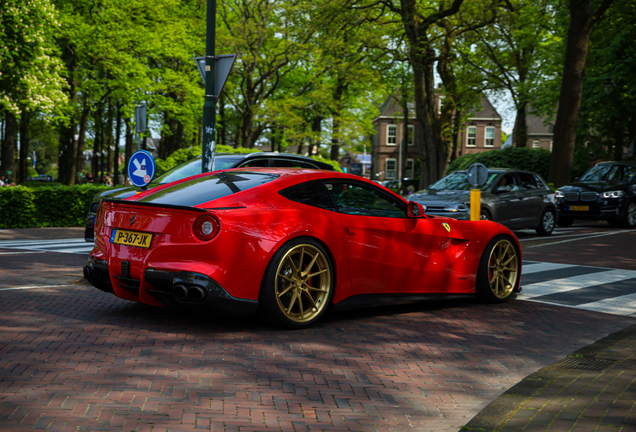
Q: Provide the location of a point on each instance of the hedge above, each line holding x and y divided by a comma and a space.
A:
521, 158
46, 206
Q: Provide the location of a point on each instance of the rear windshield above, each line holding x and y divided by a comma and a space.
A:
193, 167
203, 189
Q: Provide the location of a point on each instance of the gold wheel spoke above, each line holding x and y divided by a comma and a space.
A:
319, 272
285, 291
311, 300
311, 264
300, 305
315, 289
493, 278
285, 277
504, 278
513, 256
291, 303
302, 257
293, 266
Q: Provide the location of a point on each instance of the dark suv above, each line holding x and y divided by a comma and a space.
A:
192, 167
607, 191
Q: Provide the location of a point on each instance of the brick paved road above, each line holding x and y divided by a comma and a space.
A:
78, 359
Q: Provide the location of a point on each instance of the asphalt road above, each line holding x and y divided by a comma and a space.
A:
74, 358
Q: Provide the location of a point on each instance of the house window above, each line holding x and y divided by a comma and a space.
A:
390, 168
410, 136
490, 137
410, 163
391, 138
536, 144
472, 136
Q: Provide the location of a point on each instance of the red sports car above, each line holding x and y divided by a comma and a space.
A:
291, 243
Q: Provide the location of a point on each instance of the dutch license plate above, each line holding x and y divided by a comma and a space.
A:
579, 208
131, 238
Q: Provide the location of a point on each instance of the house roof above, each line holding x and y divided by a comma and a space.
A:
536, 126
392, 108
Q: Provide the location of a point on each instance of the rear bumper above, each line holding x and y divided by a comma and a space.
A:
182, 289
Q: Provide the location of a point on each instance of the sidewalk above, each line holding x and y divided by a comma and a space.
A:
593, 389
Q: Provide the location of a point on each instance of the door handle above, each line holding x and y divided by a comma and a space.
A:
350, 232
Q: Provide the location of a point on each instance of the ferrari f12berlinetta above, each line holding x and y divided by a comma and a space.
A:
290, 244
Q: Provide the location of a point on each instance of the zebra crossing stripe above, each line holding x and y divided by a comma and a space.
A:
574, 283
541, 267
621, 305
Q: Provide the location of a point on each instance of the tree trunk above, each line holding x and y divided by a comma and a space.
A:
582, 19
109, 139
520, 130
81, 140
129, 148
9, 145
23, 164
67, 162
117, 135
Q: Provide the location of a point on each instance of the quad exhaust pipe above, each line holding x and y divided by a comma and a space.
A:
192, 293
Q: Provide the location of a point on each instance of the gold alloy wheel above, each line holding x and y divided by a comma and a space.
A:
503, 268
303, 283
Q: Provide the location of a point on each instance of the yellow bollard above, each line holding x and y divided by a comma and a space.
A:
475, 204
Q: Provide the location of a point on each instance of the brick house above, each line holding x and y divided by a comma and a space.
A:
480, 132
540, 135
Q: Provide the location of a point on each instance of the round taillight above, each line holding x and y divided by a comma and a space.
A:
206, 227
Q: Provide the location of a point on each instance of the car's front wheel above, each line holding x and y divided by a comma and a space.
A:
298, 284
499, 270
629, 215
547, 222
484, 215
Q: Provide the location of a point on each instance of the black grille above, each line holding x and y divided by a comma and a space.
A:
130, 285
589, 196
571, 196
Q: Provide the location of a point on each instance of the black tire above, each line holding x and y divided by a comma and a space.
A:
547, 222
629, 215
565, 221
290, 295
499, 271
617, 223
484, 214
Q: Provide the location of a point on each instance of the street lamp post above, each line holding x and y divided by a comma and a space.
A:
209, 106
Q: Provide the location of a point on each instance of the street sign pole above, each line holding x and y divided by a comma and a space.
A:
209, 107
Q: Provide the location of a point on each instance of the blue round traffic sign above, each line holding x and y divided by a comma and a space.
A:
141, 168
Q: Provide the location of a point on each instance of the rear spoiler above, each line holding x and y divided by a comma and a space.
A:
155, 205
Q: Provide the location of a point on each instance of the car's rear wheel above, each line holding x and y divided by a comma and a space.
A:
547, 222
565, 221
499, 270
629, 215
298, 284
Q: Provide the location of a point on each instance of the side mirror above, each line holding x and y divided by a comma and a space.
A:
415, 210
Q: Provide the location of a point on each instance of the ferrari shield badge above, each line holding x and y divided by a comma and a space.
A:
447, 226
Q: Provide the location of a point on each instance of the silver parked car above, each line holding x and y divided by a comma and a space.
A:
516, 199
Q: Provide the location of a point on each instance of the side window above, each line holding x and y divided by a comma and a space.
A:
528, 181
507, 183
358, 200
256, 163
309, 195
540, 182
631, 173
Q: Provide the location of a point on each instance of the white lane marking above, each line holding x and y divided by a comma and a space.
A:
39, 242
33, 287
541, 267
17, 253
559, 236
77, 246
622, 305
580, 238
574, 283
